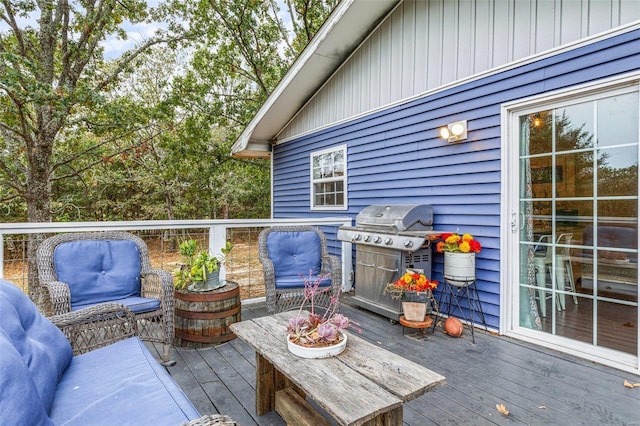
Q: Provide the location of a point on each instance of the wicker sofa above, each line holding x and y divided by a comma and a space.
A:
99, 374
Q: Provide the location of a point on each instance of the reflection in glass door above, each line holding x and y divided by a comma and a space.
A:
578, 167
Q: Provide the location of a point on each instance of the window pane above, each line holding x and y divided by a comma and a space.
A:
618, 171
618, 120
618, 212
614, 316
574, 127
539, 132
541, 176
574, 174
316, 167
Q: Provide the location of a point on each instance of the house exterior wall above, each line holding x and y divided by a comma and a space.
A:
395, 155
427, 44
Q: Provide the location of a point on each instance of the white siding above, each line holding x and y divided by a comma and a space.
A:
426, 44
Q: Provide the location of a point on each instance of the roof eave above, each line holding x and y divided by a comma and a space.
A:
341, 34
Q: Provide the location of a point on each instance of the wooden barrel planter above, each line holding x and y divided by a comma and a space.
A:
203, 319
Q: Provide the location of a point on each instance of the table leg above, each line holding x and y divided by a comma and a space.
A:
265, 386
389, 418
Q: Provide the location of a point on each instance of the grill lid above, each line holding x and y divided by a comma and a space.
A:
396, 217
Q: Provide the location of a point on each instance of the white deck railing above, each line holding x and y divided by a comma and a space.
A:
161, 237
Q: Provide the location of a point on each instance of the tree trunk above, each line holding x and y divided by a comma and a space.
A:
38, 210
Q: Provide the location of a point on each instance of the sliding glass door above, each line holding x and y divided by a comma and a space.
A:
578, 220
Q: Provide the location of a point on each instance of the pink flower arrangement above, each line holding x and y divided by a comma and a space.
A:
312, 329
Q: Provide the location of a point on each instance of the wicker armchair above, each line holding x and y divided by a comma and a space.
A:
286, 252
153, 288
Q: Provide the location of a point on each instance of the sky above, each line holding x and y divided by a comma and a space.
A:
138, 33
114, 47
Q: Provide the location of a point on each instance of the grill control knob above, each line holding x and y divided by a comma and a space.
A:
377, 240
408, 244
356, 237
388, 241
367, 238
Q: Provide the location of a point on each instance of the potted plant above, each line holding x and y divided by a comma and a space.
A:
204, 307
459, 258
201, 270
415, 291
311, 335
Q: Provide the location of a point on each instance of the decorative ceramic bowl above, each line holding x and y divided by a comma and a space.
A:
317, 353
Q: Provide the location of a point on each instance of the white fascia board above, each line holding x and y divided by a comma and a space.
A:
344, 30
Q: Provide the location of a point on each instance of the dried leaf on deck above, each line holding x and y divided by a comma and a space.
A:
631, 385
502, 409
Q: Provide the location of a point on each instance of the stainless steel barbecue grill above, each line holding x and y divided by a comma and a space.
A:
389, 239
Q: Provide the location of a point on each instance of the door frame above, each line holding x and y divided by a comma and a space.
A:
511, 221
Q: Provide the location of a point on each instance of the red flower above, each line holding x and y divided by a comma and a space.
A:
475, 246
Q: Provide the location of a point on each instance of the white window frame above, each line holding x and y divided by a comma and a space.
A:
342, 178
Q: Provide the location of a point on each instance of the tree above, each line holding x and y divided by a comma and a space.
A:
70, 142
50, 75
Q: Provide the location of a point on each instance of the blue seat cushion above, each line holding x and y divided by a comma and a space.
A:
135, 304
294, 254
98, 271
34, 355
297, 282
120, 384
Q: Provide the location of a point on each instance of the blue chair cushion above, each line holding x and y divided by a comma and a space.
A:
135, 304
120, 384
20, 403
98, 270
294, 253
34, 355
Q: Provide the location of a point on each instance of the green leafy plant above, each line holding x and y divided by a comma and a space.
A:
199, 264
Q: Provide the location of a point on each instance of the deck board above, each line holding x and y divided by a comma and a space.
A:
537, 385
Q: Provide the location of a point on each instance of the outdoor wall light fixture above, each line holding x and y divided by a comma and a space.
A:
454, 132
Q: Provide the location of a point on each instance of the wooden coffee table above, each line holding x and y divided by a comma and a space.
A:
365, 385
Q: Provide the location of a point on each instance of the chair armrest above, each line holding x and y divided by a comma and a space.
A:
96, 326
269, 284
335, 265
157, 284
60, 297
335, 268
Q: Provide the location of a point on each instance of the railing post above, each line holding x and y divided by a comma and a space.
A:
218, 241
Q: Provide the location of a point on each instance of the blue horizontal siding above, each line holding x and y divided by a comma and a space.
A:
396, 156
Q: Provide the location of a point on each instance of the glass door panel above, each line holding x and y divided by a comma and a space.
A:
579, 201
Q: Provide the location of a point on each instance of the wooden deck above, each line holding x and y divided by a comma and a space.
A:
536, 385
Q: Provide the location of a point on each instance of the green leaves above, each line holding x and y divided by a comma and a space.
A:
147, 134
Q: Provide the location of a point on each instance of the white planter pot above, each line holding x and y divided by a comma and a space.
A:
317, 353
414, 311
459, 268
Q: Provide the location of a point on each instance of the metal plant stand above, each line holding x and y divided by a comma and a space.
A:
468, 292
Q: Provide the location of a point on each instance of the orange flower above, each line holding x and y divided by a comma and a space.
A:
456, 243
412, 282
